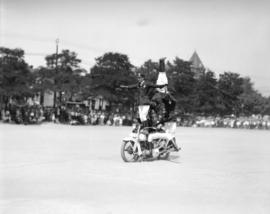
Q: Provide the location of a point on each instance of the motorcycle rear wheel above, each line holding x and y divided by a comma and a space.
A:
127, 152
164, 156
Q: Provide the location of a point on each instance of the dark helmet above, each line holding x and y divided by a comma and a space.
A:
141, 77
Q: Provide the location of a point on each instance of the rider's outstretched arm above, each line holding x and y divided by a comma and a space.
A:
156, 86
133, 86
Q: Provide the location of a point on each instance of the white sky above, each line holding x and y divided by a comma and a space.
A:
228, 35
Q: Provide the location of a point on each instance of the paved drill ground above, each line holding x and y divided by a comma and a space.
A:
78, 169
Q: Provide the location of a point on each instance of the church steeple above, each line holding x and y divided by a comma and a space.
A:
196, 65
196, 61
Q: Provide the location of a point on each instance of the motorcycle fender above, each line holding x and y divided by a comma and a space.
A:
128, 139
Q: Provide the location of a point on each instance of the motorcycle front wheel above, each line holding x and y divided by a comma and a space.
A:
127, 152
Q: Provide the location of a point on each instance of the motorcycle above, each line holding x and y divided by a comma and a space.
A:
149, 143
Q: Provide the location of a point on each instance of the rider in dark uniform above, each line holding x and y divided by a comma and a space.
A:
146, 90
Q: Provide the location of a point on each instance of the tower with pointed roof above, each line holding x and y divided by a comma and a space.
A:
196, 65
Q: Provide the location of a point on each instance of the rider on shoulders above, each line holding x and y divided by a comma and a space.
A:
163, 99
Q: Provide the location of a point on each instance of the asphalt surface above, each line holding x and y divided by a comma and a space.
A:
65, 169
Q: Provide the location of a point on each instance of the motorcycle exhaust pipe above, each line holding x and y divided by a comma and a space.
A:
168, 149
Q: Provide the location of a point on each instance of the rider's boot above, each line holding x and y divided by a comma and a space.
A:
176, 147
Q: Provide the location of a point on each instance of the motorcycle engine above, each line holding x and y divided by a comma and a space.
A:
158, 145
143, 135
155, 152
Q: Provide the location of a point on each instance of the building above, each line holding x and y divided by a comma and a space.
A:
196, 65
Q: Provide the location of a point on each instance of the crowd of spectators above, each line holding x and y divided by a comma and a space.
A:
79, 115
22, 114
75, 115
251, 122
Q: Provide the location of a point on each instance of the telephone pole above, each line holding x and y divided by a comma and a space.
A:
56, 65
56, 53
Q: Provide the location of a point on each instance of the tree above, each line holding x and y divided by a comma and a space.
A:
110, 71
206, 93
182, 82
230, 89
150, 70
65, 60
252, 102
64, 72
266, 106
44, 79
15, 75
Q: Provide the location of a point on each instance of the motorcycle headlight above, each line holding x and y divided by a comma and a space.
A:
142, 137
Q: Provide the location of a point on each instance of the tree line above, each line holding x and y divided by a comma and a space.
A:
204, 94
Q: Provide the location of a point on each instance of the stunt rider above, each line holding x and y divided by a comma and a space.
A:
165, 102
145, 89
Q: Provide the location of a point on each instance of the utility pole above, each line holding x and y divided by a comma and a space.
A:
56, 65
56, 53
